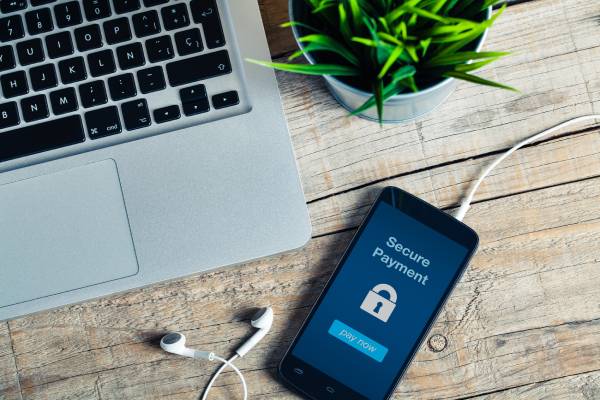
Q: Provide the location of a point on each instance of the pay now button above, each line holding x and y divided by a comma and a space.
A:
357, 340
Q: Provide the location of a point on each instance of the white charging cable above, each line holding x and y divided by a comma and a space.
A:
226, 363
468, 199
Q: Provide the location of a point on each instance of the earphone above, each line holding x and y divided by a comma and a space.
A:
174, 342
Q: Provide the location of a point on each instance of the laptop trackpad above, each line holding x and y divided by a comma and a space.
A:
63, 231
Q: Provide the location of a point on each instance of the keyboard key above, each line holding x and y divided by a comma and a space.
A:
11, 28
188, 41
30, 51
117, 30
34, 108
59, 45
192, 93
14, 84
194, 100
205, 12
9, 115
36, 138
196, 107
88, 37
146, 23
7, 58
135, 114
175, 16
72, 70
8, 6
121, 86
226, 99
39, 21
130, 56
63, 101
159, 48
152, 3
125, 6
166, 114
103, 122
198, 68
151, 79
68, 14
92, 94
101, 63
43, 77
36, 3
96, 9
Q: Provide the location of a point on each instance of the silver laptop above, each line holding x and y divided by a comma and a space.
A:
137, 146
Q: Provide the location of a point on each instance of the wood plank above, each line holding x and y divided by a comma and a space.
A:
584, 386
556, 66
274, 13
552, 162
9, 383
526, 311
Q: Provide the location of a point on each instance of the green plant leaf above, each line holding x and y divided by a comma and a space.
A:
356, 13
379, 99
473, 66
408, 71
322, 42
344, 24
390, 61
324, 5
476, 79
310, 69
473, 35
365, 41
425, 14
463, 57
290, 24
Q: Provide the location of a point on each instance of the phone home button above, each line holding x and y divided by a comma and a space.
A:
329, 390
298, 371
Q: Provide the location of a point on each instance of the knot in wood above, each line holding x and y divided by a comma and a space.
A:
437, 343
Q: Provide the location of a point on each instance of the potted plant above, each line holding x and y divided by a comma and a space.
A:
391, 60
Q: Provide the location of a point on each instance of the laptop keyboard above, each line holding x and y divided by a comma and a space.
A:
94, 73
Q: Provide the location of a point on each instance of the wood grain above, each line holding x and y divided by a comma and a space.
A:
584, 386
9, 383
551, 162
511, 321
524, 321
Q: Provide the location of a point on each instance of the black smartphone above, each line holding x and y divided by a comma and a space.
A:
380, 302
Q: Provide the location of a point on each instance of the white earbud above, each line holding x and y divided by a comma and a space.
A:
263, 320
174, 343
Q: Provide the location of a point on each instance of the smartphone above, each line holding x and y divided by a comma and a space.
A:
380, 302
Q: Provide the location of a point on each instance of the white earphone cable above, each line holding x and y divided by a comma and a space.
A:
466, 203
226, 363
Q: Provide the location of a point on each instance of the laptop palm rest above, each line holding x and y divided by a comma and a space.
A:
74, 233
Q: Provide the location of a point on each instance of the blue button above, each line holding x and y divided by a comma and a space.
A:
357, 340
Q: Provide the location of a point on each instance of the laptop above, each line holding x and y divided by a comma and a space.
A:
137, 146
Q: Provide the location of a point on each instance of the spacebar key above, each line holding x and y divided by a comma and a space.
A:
41, 137
198, 68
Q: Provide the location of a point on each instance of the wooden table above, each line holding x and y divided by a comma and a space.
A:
524, 322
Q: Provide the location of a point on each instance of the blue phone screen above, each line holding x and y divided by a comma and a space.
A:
380, 302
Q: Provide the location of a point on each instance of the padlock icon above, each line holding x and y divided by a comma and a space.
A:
379, 306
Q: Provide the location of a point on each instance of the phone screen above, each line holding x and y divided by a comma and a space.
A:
383, 297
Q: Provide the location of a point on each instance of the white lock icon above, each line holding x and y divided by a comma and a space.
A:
379, 306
